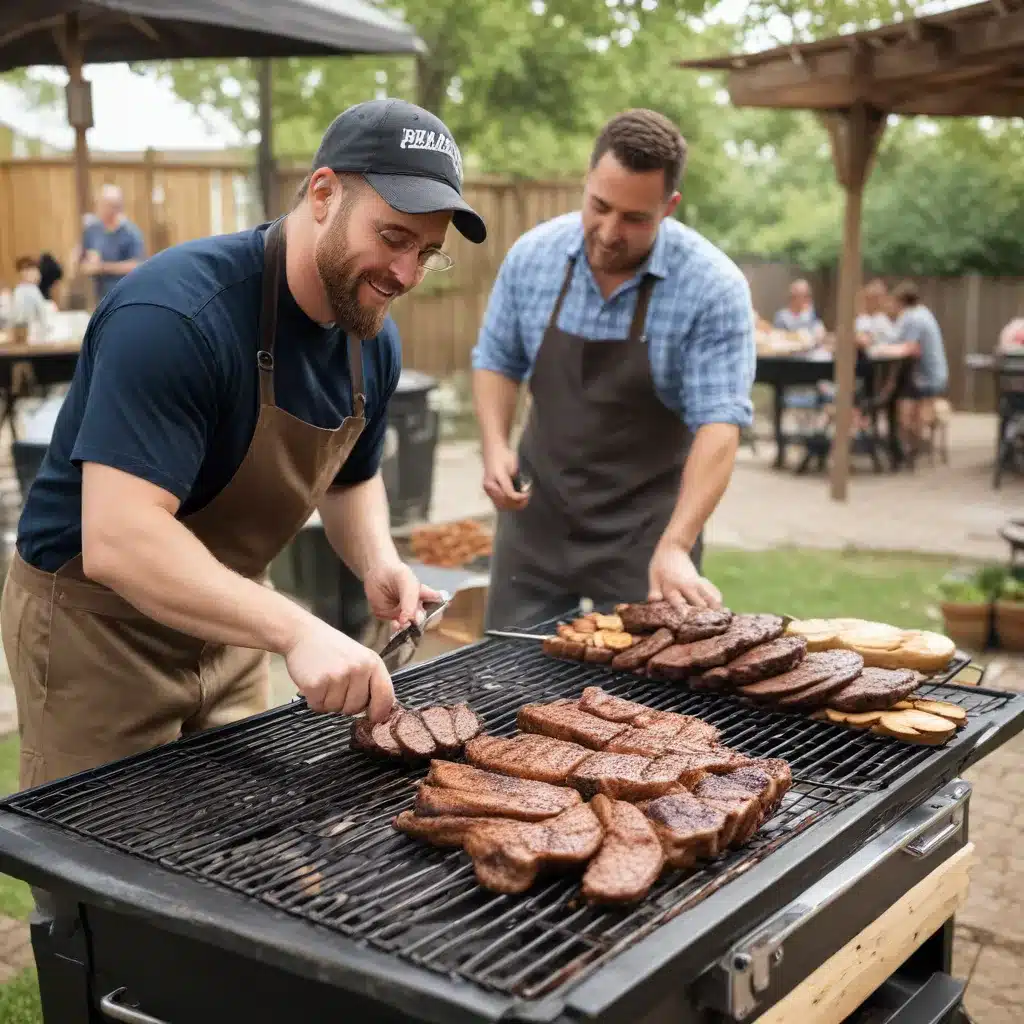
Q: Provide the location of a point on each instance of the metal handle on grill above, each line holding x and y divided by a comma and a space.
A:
110, 1007
747, 967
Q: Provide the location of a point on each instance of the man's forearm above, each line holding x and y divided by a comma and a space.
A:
358, 525
165, 571
494, 398
708, 469
120, 267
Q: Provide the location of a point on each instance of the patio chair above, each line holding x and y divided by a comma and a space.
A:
1013, 534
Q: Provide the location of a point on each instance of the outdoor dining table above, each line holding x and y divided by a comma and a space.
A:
1008, 369
806, 369
51, 363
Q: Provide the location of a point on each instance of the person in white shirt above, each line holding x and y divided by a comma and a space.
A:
873, 325
28, 307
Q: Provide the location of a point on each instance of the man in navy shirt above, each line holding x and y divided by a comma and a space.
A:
112, 245
226, 389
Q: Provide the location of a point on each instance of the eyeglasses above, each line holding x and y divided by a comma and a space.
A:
431, 259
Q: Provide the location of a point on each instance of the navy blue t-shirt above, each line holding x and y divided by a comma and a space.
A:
167, 387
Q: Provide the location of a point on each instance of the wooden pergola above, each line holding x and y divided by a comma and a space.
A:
967, 62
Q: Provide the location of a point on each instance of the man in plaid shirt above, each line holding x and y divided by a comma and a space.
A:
636, 337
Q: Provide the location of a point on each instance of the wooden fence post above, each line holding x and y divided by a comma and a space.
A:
972, 311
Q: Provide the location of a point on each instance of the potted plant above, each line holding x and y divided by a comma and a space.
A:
1009, 612
966, 610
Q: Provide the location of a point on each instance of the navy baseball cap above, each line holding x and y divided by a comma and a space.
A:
406, 154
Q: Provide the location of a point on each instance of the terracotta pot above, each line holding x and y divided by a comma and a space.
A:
1010, 625
967, 625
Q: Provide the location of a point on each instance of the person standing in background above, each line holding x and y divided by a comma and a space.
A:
112, 246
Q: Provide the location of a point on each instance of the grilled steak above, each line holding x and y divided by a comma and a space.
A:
759, 662
465, 722
412, 736
630, 858
527, 756
434, 802
448, 775
631, 777
375, 740
440, 726
817, 667
742, 810
875, 689
598, 655
564, 720
609, 707
651, 744
568, 650
689, 829
438, 831
685, 660
651, 616
682, 728
702, 623
638, 655
508, 855
817, 696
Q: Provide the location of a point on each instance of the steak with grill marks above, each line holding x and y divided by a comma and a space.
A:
875, 689
375, 740
564, 720
412, 736
682, 728
643, 650
596, 701
647, 744
508, 855
742, 810
447, 831
818, 667
700, 625
630, 777
682, 661
689, 829
817, 696
630, 858
768, 659
527, 756
448, 775
652, 615
434, 802
440, 726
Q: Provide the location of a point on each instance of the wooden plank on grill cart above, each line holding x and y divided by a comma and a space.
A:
846, 979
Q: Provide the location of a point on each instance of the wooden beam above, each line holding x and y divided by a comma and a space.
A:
855, 135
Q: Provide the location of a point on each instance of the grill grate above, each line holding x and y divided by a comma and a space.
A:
280, 810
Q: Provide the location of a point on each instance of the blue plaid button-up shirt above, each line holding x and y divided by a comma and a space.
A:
700, 323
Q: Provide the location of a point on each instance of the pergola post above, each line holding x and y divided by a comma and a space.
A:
855, 134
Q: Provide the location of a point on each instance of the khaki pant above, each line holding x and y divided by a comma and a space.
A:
95, 684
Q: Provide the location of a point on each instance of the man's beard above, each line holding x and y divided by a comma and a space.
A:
341, 283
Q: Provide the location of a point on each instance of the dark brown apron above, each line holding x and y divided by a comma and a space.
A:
95, 678
605, 458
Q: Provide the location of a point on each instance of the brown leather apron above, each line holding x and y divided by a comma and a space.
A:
605, 458
96, 679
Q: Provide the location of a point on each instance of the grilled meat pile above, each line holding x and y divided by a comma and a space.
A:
750, 655
410, 735
674, 796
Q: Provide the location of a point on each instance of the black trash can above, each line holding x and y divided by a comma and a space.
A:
407, 466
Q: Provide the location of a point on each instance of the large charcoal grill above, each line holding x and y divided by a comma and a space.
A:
272, 840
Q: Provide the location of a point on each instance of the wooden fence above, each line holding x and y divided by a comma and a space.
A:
173, 199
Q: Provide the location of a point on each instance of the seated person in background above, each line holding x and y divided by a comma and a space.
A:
873, 325
799, 314
1011, 337
918, 335
28, 307
50, 272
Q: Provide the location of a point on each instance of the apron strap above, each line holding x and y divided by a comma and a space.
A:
566, 282
273, 261
355, 373
643, 300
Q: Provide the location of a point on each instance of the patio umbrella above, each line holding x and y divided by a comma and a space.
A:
74, 32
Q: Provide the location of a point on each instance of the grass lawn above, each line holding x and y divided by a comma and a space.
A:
19, 998
805, 583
